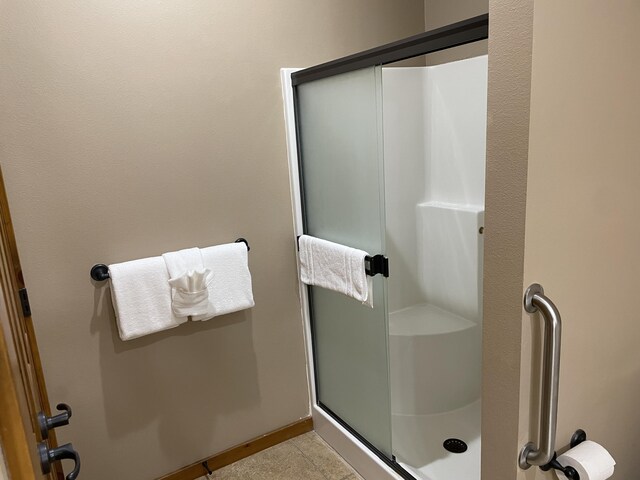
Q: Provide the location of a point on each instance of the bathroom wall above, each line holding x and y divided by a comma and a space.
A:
506, 185
582, 230
128, 129
561, 207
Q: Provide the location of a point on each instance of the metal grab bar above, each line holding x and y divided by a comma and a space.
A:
534, 301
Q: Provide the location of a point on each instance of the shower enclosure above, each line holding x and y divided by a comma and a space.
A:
390, 160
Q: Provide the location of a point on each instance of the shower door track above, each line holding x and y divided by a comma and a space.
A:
390, 462
443, 38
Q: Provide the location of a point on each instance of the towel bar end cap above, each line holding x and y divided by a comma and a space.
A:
100, 272
243, 240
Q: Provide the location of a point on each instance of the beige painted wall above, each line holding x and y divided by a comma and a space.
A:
510, 40
128, 129
438, 13
582, 203
583, 206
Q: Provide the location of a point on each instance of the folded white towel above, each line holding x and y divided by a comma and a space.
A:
188, 280
141, 297
336, 267
189, 293
230, 285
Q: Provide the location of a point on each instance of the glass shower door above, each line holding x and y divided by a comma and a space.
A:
341, 158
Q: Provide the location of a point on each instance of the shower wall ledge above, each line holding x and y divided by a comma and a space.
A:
465, 207
426, 319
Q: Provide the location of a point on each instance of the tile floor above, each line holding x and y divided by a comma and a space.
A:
306, 457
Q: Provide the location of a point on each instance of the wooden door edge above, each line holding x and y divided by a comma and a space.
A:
12, 430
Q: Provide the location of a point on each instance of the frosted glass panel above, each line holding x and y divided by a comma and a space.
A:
340, 130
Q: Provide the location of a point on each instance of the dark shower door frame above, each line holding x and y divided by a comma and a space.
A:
454, 35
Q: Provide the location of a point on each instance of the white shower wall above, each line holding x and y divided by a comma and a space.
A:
404, 111
434, 152
455, 131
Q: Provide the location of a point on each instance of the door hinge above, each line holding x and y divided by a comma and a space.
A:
24, 302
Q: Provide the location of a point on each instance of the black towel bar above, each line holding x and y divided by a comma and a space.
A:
100, 272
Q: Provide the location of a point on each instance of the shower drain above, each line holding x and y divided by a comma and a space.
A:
454, 445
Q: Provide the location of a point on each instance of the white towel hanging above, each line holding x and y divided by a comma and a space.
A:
230, 287
141, 297
335, 267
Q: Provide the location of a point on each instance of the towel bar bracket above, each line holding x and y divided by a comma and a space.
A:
100, 272
376, 264
243, 240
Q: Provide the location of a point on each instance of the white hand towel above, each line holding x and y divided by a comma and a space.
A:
335, 267
188, 280
230, 286
141, 297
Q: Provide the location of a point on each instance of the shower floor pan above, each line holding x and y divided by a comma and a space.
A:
418, 439
435, 359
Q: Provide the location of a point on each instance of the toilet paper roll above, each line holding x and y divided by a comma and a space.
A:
590, 459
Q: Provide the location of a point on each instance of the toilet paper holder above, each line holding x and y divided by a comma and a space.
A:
576, 439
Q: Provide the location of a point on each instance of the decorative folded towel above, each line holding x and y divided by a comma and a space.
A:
230, 286
141, 297
335, 267
189, 294
188, 280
